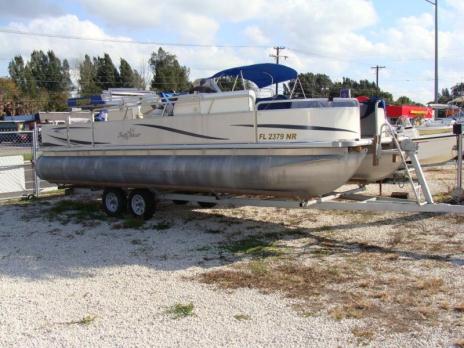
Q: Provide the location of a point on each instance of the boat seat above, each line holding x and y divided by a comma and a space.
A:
369, 128
273, 106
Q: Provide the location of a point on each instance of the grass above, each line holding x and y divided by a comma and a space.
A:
364, 335
241, 317
255, 247
129, 222
163, 225
27, 156
85, 321
179, 310
75, 211
364, 286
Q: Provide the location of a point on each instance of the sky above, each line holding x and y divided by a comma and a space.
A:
340, 38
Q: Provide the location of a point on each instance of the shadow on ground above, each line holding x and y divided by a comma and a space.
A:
34, 244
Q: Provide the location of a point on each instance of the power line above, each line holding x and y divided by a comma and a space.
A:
72, 37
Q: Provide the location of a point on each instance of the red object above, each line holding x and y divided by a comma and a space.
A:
410, 111
362, 99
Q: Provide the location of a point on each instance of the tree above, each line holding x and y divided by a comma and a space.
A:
168, 74
314, 86
457, 90
44, 81
107, 75
361, 88
88, 77
67, 84
139, 81
126, 73
321, 86
9, 96
445, 96
17, 68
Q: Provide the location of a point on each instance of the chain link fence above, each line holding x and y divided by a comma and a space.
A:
18, 152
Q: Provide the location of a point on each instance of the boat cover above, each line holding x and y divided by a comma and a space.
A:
262, 75
22, 118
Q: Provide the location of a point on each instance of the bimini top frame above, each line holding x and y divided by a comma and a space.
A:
262, 75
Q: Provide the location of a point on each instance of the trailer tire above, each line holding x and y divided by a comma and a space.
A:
114, 201
142, 203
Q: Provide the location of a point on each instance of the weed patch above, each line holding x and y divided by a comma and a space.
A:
254, 247
163, 225
66, 211
241, 317
129, 223
85, 321
180, 310
367, 287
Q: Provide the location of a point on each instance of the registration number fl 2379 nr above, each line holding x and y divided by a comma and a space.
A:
277, 136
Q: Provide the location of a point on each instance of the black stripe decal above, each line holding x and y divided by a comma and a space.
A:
81, 142
48, 144
292, 126
63, 127
181, 132
58, 129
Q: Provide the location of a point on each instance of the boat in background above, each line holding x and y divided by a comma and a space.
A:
434, 137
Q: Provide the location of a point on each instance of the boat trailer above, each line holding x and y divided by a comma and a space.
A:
345, 200
352, 199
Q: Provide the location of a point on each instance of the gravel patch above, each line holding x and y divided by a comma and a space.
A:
70, 281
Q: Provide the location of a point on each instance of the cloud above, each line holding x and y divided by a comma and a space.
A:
336, 37
146, 13
256, 35
202, 61
28, 9
192, 26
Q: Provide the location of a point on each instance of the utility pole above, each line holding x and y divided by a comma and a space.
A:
377, 68
435, 3
277, 57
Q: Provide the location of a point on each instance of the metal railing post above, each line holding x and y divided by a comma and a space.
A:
255, 125
93, 127
458, 130
459, 176
68, 121
35, 146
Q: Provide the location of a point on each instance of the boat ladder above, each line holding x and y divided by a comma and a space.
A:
406, 148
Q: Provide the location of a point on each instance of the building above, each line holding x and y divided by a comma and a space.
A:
409, 111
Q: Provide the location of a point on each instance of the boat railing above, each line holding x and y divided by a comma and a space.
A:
251, 100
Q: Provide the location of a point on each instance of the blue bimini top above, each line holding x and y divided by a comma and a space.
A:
262, 75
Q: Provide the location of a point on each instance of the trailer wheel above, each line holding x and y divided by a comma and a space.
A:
142, 203
207, 204
114, 201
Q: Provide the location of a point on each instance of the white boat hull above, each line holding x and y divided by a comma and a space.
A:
369, 172
436, 149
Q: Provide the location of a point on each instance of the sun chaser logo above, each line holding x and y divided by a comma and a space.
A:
129, 134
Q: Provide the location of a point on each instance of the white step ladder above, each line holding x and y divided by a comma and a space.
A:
407, 148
